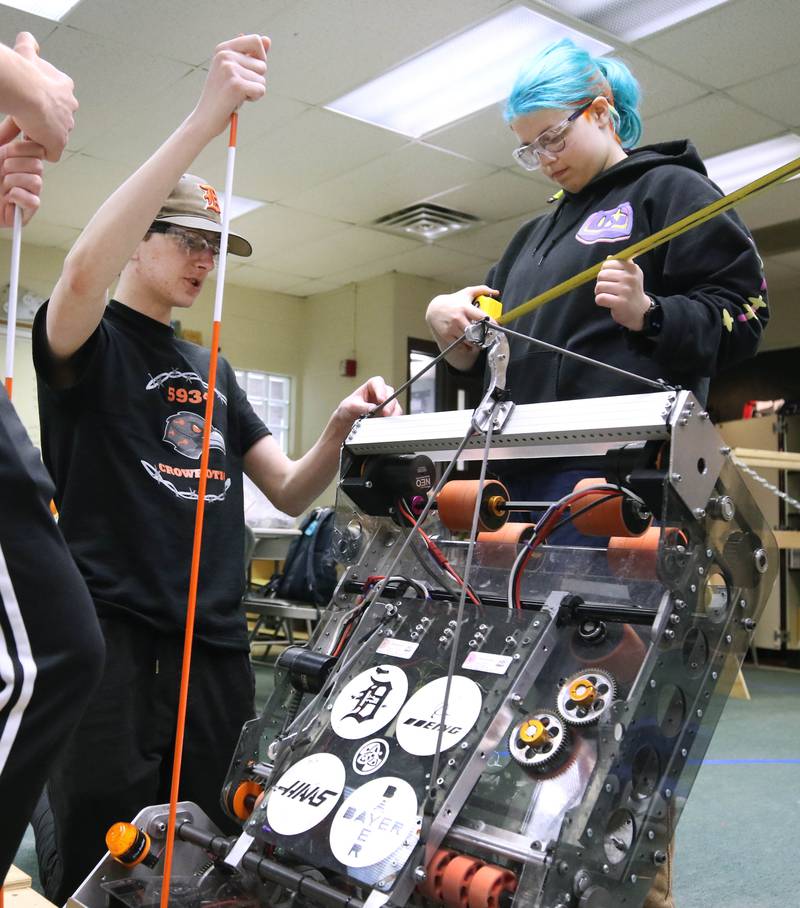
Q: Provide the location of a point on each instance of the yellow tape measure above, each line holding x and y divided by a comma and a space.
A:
494, 307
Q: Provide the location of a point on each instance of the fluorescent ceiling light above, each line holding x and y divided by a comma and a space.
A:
240, 205
467, 73
47, 9
736, 168
632, 19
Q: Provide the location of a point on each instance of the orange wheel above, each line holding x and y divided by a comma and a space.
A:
616, 517
635, 559
456, 880
509, 534
431, 889
456, 504
245, 797
488, 884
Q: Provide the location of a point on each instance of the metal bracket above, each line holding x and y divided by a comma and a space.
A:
496, 406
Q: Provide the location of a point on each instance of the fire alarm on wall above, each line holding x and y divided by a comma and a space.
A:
347, 368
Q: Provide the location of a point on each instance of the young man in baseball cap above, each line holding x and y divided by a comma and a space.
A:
120, 399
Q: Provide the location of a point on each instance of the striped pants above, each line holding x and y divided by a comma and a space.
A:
51, 649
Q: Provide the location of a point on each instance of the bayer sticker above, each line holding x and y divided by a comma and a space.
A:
305, 794
369, 702
421, 719
377, 820
371, 756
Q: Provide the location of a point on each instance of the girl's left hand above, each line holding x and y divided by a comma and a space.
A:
620, 289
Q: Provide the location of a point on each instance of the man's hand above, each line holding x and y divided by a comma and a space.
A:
238, 73
48, 117
364, 399
620, 289
20, 179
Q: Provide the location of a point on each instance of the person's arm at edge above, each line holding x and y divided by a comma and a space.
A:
291, 485
107, 242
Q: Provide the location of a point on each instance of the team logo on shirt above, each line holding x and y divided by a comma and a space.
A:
184, 431
607, 226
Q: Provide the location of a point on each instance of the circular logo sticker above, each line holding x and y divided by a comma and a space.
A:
376, 820
421, 718
305, 794
371, 756
369, 702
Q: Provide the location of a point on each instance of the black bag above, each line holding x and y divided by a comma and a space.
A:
309, 571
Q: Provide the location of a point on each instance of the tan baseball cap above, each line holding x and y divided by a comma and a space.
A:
194, 203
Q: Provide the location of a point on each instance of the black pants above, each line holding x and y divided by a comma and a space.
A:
120, 758
51, 649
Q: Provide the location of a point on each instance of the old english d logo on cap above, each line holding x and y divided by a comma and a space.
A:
607, 226
210, 197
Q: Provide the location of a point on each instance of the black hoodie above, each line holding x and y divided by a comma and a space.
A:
709, 282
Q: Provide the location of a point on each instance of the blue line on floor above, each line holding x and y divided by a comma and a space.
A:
746, 760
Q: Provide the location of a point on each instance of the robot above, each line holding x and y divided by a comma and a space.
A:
485, 716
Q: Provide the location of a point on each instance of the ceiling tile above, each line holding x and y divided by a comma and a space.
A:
773, 206
275, 227
430, 261
77, 188
109, 78
774, 94
483, 136
357, 41
314, 147
41, 233
470, 275
662, 88
487, 242
263, 279
714, 123
393, 181
309, 288
497, 197
331, 255
731, 43
181, 29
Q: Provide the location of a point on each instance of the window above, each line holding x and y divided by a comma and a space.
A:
271, 398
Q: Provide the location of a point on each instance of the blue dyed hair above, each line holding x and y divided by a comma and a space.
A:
564, 75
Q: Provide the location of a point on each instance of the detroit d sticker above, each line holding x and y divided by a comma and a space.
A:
607, 226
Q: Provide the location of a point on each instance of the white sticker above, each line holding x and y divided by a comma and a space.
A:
375, 821
421, 718
402, 649
369, 702
305, 794
371, 756
487, 662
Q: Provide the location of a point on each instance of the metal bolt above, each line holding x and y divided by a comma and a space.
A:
472, 644
709, 553
701, 570
699, 513
515, 698
510, 639
606, 868
699, 713
676, 477
634, 878
464, 745
742, 603
693, 587
659, 857
667, 793
483, 627
451, 623
725, 450
684, 752
589, 833
703, 414
669, 633
679, 603
650, 834
516, 657
442, 639
419, 874
715, 675
440, 781
748, 624
674, 619
451, 762
728, 638
414, 635
652, 682
609, 787
536, 623
563, 867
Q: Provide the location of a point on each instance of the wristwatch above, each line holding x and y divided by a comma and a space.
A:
653, 320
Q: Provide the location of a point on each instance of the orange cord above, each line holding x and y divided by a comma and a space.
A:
192, 599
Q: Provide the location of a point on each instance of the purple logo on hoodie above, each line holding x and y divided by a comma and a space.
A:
607, 226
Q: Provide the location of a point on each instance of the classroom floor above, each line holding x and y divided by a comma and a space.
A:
736, 844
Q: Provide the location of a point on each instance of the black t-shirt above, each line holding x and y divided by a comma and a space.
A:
123, 445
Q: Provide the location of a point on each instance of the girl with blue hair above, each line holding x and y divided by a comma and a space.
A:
685, 310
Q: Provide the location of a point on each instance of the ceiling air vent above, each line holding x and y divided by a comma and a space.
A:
427, 222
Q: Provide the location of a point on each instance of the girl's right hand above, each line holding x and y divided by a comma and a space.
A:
450, 314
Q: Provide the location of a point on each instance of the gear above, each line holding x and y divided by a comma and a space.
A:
586, 695
538, 740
